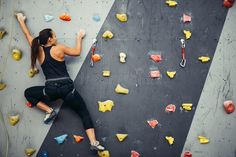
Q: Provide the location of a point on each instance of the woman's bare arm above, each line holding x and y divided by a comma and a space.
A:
21, 19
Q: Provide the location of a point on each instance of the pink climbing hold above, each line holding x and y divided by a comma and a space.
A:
134, 153
152, 123
186, 18
170, 108
155, 57
155, 74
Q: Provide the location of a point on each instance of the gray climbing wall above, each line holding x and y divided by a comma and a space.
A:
210, 119
30, 131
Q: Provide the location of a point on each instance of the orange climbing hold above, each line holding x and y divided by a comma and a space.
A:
96, 57
134, 153
65, 17
152, 123
155, 74
155, 57
78, 139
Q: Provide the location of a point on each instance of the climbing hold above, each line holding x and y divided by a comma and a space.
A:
48, 18
171, 3
106, 73
186, 18
30, 151
134, 153
187, 34
65, 17
187, 154
121, 90
203, 140
155, 57
44, 154
13, 119
187, 107
204, 59
2, 86
122, 57
104, 153
171, 74
2, 33
229, 106
16, 54
28, 104
170, 140
105, 105
228, 3
61, 139
152, 123
122, 17
78, 139
155, 74
121, 137
32, 72
107, 34
96, 57
170, 108
96, 18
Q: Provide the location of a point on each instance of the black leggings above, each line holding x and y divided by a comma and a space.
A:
63, 89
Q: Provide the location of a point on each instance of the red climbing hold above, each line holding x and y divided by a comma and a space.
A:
28, 104
134, 153
152, 123
155, 57
170, 108
187, 154
155, 74
228, 3
229, 106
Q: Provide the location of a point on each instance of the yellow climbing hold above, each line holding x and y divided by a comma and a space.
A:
14, 119
171, 3
171, 74
203, 140
187, 34
16, 54
2, 86
2, 33
204, 59
170, 139
106, 105
32, 72
104, 153
122, 17
106, 73
121, 137
121, 90
107, 34
30, 151
187, 107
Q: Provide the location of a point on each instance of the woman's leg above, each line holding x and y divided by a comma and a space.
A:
76, 102
35, 95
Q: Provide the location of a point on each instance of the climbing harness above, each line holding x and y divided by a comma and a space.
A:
92, 51
183, 61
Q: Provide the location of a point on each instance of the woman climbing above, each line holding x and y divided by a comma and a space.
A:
50, 56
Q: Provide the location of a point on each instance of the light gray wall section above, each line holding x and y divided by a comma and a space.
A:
210, 119
31, 131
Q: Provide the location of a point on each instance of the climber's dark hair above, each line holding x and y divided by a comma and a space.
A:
42, 39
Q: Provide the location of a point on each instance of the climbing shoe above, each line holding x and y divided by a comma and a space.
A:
97, 146
49, 117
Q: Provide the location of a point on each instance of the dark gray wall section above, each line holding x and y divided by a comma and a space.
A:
151, 26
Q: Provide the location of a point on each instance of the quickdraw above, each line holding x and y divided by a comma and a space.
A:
183, 61
92, 51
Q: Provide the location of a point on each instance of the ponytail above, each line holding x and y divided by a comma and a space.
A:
34, 51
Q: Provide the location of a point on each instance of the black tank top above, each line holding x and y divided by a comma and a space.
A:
52, 68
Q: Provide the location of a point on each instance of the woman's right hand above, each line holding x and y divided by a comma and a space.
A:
20, 17
81, 34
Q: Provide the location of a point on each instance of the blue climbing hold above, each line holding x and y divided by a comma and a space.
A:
44, 154
48, 18
96, 18
61, 139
